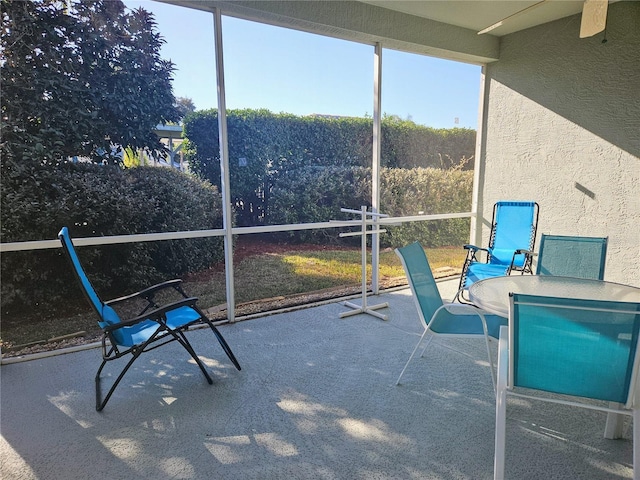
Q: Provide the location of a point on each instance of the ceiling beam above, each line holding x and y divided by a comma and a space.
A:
364, 23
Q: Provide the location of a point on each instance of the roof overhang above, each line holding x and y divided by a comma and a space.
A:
365, 23
507, 16
447, 29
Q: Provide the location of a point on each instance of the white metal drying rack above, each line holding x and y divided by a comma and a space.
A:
364, 308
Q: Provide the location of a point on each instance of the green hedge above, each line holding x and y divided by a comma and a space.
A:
94, 200
314, 194
266, 148
426, 191
284, 169
408, 145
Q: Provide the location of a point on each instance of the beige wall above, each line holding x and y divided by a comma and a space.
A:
561, 126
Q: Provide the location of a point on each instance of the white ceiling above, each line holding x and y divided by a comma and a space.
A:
480, 14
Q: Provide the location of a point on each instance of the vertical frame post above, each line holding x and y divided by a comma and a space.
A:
227, 222
477, 202
375, 166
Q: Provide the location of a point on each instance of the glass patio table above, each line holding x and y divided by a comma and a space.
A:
492, 295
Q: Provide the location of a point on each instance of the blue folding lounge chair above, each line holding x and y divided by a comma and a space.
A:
155, 325
438, 318
513, 234
569, 256
575, 350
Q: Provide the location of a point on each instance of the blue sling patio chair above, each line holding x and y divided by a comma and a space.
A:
513, 235
569, 256
155, 326
572, 352
438, 318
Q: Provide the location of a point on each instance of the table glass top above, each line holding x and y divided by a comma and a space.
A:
493, 294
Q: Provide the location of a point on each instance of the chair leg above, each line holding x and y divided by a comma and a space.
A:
100, 404
501, 407
457, 296
491, 364
426, 344
412, 354
225, 346
636, 443
223, 343
460, 297
501, 413
615, 423
182, 340
176, 334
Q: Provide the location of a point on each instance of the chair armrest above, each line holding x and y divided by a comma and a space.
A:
466, 309
155, 315
148, 292
528, 260
472, 251
474, 248
463, 309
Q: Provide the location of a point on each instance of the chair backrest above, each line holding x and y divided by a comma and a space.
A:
420, 278
106, 314
513, 228
585, 348
582, 257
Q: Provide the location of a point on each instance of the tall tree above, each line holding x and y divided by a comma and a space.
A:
185, 106
81, 78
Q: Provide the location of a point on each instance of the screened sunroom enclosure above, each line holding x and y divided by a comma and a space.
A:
379, 199
558, 123
565, 137
375, 200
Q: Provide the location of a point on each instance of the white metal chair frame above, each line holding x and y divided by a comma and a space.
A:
468, 310
505, 388
454, 308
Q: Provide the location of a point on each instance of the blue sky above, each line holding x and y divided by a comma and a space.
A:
289, 71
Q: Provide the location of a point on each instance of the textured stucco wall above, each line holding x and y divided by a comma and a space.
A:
561, 126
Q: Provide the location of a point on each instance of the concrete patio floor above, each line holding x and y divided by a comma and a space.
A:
316, 399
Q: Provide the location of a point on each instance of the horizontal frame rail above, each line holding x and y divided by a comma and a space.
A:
183, 235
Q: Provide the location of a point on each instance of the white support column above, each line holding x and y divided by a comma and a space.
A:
224, 167
375, 166
477, 203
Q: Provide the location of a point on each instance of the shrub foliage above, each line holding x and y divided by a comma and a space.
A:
284, 170
313, 194
266, 150
95, 200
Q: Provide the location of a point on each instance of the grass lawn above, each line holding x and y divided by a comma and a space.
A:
303, 272
263, 282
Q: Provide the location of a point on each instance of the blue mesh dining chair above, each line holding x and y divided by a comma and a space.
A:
513, 234
567, 350
156, 325
570, 256
438, 318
